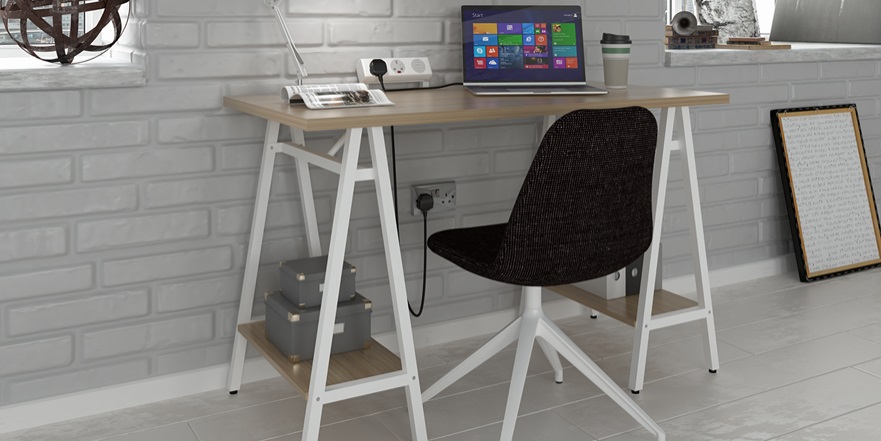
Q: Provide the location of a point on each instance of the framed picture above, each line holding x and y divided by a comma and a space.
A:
828, 190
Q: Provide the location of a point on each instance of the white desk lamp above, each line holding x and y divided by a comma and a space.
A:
298, 60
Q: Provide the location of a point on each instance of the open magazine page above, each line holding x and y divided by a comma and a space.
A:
342, 99
290, 93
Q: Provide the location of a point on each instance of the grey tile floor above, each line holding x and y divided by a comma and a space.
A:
799, 362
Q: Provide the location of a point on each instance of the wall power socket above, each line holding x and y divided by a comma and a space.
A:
400, 70
444, 194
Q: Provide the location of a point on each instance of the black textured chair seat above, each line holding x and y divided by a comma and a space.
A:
474, 249
584, 210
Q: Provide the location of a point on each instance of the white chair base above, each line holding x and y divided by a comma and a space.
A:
533, 325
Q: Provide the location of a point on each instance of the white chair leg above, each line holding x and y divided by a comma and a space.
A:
570, 351
518, 377
501, 340
594, 314
553, 358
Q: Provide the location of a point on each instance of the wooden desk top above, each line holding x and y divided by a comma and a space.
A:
455, 104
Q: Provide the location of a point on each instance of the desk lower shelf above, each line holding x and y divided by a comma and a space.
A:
346, 366
624, 309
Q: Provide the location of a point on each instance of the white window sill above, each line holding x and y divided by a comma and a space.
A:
31, 74
800, 52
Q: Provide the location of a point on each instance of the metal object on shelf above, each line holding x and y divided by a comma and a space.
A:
684, 23
58, 25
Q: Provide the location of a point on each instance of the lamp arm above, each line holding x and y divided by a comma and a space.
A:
298, 60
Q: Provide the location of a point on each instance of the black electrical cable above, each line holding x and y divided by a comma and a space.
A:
379, 68
423, 88
424, 202
424, 265
395, 179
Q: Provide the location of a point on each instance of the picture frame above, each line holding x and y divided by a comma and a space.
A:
828, 190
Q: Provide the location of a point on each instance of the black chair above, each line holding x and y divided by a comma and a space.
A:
584, 211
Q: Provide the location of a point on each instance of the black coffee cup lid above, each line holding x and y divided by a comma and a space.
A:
615, 39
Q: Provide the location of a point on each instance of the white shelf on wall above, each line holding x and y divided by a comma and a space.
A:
27, 73
800, 52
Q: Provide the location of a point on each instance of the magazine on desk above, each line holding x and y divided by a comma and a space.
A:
335, 96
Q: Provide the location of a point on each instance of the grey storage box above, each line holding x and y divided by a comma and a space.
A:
292, 330
302, 281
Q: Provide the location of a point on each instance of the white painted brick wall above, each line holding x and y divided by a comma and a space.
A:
189, 65
197, 293
156, 99
193, 358
848, 69
865, 88
171, 35
381, 32
23, 106
142, 163
362, 8
84, 310
816, 91
263, 33
33, 173
36, 355
124, 213
789, 72
727, 118
59, 382
210, 128
132, 231
166, 266
20, 207
65, 137
148, 336
32, 243
33, 284
190, 191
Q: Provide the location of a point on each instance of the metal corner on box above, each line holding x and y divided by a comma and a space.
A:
293, 318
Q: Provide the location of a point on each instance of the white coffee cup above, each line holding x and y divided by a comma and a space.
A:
616, 60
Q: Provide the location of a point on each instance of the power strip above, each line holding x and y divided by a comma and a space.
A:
400, 70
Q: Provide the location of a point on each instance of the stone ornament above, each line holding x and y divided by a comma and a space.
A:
47, 16
733, 18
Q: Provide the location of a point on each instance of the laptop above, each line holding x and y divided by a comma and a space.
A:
524, 50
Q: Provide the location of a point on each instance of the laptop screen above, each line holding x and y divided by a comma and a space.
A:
522, 45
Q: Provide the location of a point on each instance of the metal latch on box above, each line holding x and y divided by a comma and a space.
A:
623, 282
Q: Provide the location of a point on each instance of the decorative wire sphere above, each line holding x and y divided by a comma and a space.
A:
47, 17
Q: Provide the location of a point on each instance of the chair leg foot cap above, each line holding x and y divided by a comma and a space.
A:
713, 371
233, 392
559, 382
593, 316
634, 392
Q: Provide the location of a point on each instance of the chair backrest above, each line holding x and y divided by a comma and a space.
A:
584, 210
